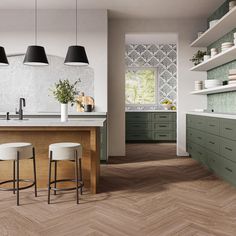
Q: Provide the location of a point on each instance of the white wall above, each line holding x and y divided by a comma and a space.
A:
186, 30
56, 31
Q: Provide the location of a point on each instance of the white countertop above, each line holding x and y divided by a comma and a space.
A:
58, 114
151, 111
53, 122
213, 114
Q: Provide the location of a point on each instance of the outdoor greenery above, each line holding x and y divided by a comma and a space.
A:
65, 92
140, 86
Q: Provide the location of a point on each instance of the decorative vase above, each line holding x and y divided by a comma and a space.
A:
64, 112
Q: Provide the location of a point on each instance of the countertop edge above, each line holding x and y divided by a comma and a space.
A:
216, 115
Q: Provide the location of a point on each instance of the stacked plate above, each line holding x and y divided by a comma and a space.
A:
225, 46
198, 85
212, 83
232, 76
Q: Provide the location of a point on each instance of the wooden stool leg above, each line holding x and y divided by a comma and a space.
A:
17, 178
55, 177
81, 175
77, 177
49, 177
14, 177
35, 179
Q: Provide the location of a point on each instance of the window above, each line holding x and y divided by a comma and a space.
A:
140, 86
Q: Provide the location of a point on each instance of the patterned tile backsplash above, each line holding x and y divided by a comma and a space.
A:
223, 102
34, 83
164, 58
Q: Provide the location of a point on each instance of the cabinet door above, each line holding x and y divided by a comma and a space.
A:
213, 161
213, 143
198, 122
163, 126
228, 170
163, 136
138, 117
199, 137
199, 154
228, 128
228, 149
213, 125
161, 117
144, 126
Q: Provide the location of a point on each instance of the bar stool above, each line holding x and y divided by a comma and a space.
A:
65, 152
16, 152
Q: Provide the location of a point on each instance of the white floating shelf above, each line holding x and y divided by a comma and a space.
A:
218, 60
220, 89
223, 26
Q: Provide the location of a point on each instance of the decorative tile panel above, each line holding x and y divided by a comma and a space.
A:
164, 58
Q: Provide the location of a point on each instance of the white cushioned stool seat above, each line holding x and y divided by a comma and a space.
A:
8, 151
65, 151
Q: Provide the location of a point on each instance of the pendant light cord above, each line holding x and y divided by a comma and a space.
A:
35, 21
76, 22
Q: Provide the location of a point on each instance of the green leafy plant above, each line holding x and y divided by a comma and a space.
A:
198, 57
65, 92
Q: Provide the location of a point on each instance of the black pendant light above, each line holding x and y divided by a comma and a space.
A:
35, 55
3, 57
76, 55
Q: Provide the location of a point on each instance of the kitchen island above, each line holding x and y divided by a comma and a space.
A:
41, 132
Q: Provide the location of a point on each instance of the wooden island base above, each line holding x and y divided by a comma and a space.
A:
41, 138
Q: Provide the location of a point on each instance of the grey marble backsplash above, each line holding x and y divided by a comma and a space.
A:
34, 83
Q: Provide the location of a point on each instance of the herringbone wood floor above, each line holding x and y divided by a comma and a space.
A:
150, 192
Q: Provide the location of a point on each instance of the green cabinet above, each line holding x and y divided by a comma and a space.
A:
212, 142
150, 126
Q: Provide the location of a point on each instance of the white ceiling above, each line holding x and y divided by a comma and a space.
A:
147, 9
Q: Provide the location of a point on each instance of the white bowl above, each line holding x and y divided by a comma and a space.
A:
167, 106
212, 23
212, 83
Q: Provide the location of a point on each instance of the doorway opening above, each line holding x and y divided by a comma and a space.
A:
151, 87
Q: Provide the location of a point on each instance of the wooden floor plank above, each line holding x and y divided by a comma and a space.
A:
150, 192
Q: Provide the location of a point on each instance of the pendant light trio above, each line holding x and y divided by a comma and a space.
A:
36, 56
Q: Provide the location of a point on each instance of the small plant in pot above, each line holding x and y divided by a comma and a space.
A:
65, 92
198, 57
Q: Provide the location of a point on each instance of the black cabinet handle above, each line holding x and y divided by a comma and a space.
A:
228, 129
199, 153
229, 149
212, 125
162, 135
199, 138
211, 142
163, 116
228, 169
162, 126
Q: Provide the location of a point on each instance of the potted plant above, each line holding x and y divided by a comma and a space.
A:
198, 57
65, 93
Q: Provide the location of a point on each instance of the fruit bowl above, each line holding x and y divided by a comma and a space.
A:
167, 106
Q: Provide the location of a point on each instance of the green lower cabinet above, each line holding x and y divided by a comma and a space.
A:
214, 147
150, 126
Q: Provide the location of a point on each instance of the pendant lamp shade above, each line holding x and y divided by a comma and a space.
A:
3, 57
76, 56
35, 56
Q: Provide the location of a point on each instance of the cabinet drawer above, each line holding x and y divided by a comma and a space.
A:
189, 135
212, 143
228, 128
228, 149
213, 125
138, 126
198, 122
198, 137
141, 136
138, 117
228, 170
199, 154
163, 126
213, 161
162, 117
164, 136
